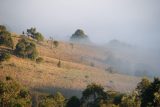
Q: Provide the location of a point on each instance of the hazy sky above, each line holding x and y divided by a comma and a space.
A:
133, 21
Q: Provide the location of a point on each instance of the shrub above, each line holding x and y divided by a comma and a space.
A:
130, 101
150, 92
93, 95
38, 36
8, 78
5, 39
92, 64
26, 49
2, 28
34, 34
56, 43
73, 102
5, 56
39, 60
59, 64
11, 95
57, 100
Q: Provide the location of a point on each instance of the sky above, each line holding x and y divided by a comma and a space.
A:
133, 21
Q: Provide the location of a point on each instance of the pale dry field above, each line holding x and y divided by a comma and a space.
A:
75, 73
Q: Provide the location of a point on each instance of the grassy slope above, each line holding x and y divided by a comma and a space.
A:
76, 71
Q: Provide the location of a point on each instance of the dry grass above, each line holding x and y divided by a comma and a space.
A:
75, 72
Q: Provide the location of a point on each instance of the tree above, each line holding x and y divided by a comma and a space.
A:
93, 95
6, 39
59, 64
150, 96
5, 56
57, 100
56, 43
130, 101
80, 36
34, 34
38, 36
73, 102
79, 33
31, 31
143, 85
26, 49
12, 94
2, 28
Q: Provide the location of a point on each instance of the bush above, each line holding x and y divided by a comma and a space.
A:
5, 39
11, 95
93, 95
8, 78
39, 60
56, 43
26, 49
130, 101
34, 34
2, 28
73, 102
5, 56
59, 64
38, 36
57, 100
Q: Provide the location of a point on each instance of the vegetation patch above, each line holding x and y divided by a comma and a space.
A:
5, 37
26, 49
5, 56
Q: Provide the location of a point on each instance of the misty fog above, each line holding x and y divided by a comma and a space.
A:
135, 22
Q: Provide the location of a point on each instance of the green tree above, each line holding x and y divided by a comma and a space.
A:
5, 56
56, 43
38, 36
80, 36
73, 102
34, 34
6, 39
130, 101
143, 85
12, 94
58, 100
93, 95
2, 28
150, 95
26, 49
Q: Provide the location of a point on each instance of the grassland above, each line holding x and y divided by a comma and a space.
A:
81, 64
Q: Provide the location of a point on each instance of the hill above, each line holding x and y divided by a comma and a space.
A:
81, 65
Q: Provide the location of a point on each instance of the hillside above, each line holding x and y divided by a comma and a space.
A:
80, 65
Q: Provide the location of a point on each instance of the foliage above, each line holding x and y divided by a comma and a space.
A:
6, 39
34, 34
73, 102
12, 95
2, 28
5, 56
26, 49
93, 95
59, 64
79, 35
57, 100
39, 60
38, 36
130, 101
143, 85
150, 95
56, 43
